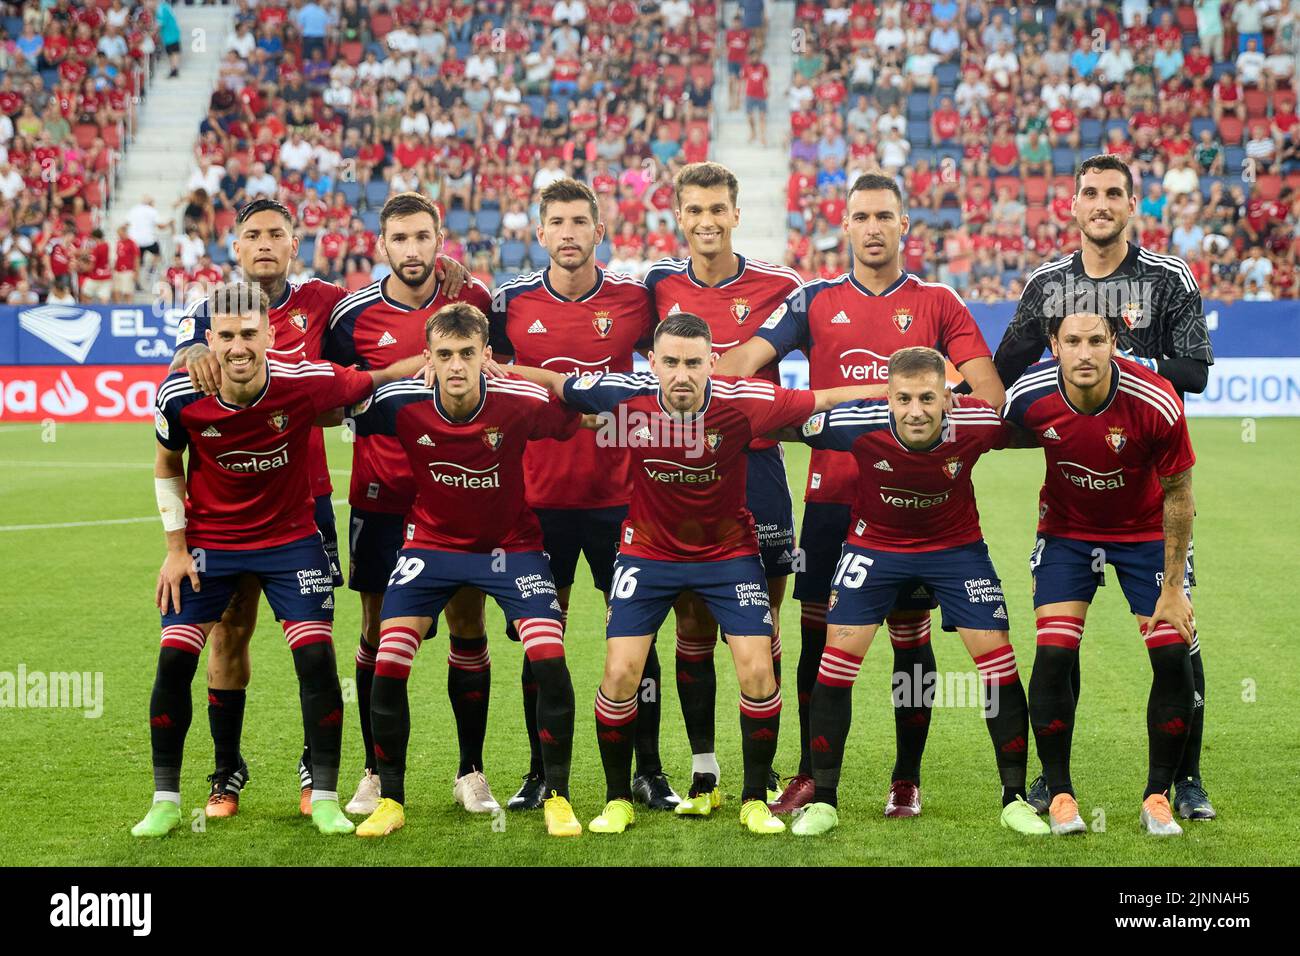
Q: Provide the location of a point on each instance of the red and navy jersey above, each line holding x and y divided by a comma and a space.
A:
734, 308
249, 478
596, 332
849, 333
1104, 467
300, 317
688, 474
469, 472
372, 331
911, 499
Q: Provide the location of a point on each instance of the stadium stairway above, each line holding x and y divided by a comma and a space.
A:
160, 159
763, 172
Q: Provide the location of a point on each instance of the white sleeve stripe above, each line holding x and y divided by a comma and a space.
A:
1034, 380
1164, 411
1184, 274
1151, 391
939, 285
1047, 267
361, 298
175, 390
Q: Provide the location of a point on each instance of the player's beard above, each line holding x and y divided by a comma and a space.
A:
421, 279
571, 265
1121, 230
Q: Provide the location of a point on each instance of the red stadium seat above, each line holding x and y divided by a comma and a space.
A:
380, 24
224, 219
1283, 99
1293, 181
1256, 103
674, 129
675, 75
1034, 217
353, 51
1010, 182
85, 223
698, 124
1066, 181
85, 134
112, 135
703, 73
983, 181
1036, 190
1268, 186
1230, 130
1185, 17
93, 193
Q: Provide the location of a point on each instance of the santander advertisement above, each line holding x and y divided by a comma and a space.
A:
79, 393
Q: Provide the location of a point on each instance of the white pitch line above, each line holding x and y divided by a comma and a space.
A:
102, 521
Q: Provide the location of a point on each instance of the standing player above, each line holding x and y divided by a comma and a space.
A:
373, 328
249, 511
848, 327
1161, 319
1118, 491
469, 527
574, 317
265, 248
732, 294
914, 521
687, 529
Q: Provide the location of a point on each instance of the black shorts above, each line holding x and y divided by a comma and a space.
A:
593, 532
373, 542
153, 248
821, 542
172, 47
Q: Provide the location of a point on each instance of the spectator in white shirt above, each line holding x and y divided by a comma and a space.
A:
1256, 267
370, 68
1086, 96
894, 120
414, 122
397, 68
206, 177
432, 43
836, 14
1002, 60
675, 13
572, 12
890, 36
1115, 64
260, 183
1180, 179
972, 94
1054, 93
565, 39
801, 93
1134, 12
242, 41
479, 67
295, 154
401, 40
1250, 64
893, 152
11, 183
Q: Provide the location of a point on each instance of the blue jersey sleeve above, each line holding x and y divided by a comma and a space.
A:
174, 394
786, 329
1038, 380
605, 392
339, 346
194, 325
377, 414
839, 428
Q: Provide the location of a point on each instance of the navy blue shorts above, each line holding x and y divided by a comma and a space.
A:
373, 543
593, 532
868, 582
1067, 569
295, 578
329, 533
643, 593
424, 580
767, 496
821, 540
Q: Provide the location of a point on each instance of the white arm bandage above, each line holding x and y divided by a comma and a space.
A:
171, 502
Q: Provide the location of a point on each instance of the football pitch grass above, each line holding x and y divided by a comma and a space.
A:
77, 598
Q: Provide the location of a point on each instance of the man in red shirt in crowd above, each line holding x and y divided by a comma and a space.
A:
126, 260
756, 90
737, 48
96, 278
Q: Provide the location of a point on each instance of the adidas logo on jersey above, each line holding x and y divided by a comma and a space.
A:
1001, 613
555, 606
210, 432
767, 618
387, 338
328, 603
677, 307
1051, 434
536, 327
840, 318
426, 441
882, 465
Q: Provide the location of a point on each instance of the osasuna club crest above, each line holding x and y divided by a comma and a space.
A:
952, 467
602, 323
492, 437
1116, 440
834, 599
712, 438
902, 319
298, 319
1132, 316
740, 310
278, 420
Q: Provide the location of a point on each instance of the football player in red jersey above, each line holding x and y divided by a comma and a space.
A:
1118, 491
246, 509
687, 433
848, 327
574, 317
914, 521
265, 247
470, 526
733, 294
373, 327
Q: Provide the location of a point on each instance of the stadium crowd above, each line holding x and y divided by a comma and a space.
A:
70, 75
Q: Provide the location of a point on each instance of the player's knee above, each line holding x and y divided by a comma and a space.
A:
622, 677
371, 609
314, 665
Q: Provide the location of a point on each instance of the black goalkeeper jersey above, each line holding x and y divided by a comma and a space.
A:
1155, 298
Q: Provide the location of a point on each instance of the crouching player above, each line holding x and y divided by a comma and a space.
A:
1118, 490
914, 522
250, 510
470, 526
687, 530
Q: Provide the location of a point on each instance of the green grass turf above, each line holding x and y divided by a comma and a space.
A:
80, 599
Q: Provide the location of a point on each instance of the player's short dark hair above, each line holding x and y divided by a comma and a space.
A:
706, 175
1096, 164
1055, 321
684, 325
917, 360
408, 204
238, 298
459, 320
262, 205
871, 182
568, 190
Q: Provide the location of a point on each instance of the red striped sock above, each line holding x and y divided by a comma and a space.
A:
184, 637
542, 637
838, 668
1060, 631
397, 647
305, 633
998, 666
